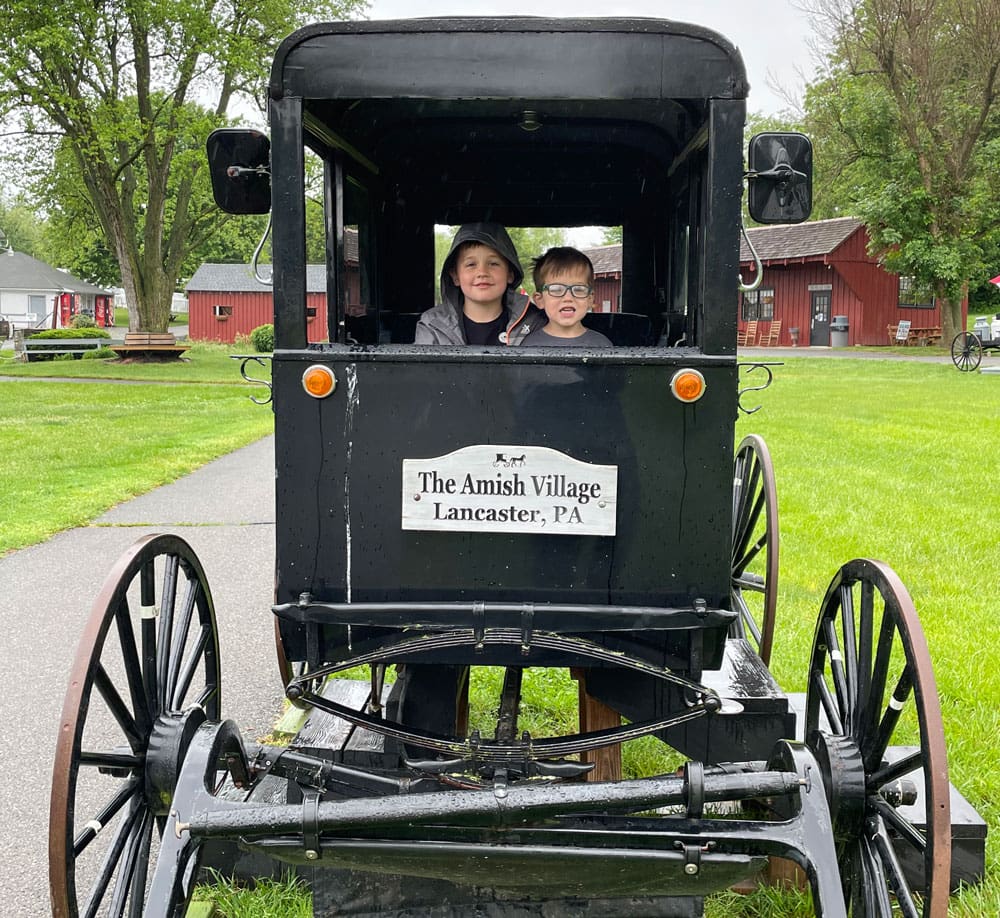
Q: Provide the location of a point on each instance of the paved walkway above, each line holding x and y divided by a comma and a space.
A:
225, 511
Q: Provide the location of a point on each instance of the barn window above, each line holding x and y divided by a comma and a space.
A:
758, 304
222, 312
911, 297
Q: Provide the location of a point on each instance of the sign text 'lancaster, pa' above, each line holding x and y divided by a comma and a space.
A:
510, 489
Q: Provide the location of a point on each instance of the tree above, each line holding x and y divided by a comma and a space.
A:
128, 90
908, 110
20, 228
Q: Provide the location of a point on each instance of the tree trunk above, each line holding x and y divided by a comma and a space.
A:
951, 317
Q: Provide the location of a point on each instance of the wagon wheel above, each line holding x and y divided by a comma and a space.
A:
966, 351
871, 678
145, 676
755, 545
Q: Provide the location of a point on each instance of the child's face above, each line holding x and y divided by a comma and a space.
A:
483, 274
566, 312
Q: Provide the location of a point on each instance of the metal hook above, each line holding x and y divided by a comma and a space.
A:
244, 360
750, 367
266, 281
746, 288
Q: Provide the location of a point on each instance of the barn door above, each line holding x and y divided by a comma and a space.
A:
819, 328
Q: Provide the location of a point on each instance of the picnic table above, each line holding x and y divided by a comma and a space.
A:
907, 334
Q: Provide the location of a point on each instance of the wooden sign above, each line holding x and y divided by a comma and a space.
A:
903, 330
486, 488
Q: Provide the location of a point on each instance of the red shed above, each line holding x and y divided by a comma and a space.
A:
819, 280
227, 300
607, 261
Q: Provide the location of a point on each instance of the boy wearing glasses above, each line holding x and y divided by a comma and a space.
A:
564, 284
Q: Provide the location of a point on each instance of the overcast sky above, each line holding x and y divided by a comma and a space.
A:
772, 35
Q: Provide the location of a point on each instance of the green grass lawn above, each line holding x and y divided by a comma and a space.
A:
892, 460
898, 461
72, 450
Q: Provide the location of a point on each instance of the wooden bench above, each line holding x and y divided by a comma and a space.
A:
46, 348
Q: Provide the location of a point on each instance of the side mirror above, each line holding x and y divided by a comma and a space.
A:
780, 177
239, 161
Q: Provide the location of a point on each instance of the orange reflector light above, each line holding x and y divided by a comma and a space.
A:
688, 385
319, 381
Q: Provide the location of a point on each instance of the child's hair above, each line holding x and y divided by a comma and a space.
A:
558, 260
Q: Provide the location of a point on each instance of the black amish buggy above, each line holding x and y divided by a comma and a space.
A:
443, 507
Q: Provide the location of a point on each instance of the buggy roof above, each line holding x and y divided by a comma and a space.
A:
560, 104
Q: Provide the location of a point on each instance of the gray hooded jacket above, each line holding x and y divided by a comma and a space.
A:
442, 324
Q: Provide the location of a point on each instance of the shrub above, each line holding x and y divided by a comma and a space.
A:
101, 353
82, 321
72, 333
263, 338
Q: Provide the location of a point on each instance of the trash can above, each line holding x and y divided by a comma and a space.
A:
838, 331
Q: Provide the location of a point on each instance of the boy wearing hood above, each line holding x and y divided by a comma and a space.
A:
480, 300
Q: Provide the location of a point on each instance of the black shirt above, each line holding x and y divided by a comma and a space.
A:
485, 332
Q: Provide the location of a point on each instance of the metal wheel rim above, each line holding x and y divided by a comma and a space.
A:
966, 351
754, 496
848, 653
172, 676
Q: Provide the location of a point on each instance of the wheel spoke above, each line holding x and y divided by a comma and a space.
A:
875, 883
110, 760
861, 725
836, 657
747, 475
148, 633
142, 869
749, 524
907, 831
103, 684
190, 668
168, 598
850, 661
829, 705
755, 543
177, 649
112, 857
897, 769
133, 668
125, 877
896, 880
874, 753
880, 668
95, 825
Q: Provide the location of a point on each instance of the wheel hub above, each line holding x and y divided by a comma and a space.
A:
168, 745
843, 771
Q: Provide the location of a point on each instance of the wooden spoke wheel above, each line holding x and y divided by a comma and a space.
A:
145, 676
874, 720
966, 351
755, 545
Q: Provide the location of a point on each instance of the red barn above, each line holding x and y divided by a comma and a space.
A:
227, 300
607, 261
819, 278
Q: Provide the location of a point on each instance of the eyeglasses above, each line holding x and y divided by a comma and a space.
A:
579, 291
